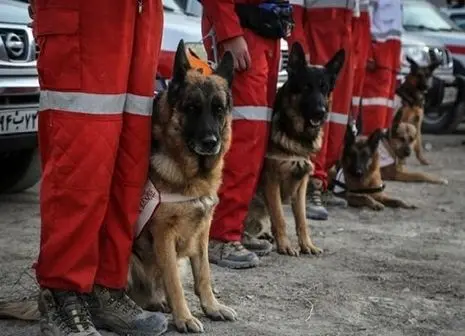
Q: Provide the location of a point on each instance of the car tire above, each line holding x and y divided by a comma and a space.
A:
446, 122
19, 170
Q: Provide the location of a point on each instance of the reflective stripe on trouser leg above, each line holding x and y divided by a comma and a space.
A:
376, 90
251, 116
324, 41
131, 166
395, 50
83, 96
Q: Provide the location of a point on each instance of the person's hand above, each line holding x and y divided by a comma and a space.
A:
238, 47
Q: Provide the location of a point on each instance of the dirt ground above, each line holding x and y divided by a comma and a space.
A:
396, 272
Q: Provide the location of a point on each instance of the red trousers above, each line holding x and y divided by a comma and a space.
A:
328, 31
361, 45
379, 86
253, 94
97, 66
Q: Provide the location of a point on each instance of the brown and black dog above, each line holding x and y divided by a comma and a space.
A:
299, 112
191, 133
412, 93
399, 141
363, 185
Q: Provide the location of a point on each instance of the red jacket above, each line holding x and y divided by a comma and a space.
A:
222, 15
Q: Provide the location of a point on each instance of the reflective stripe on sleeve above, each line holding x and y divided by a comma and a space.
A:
139, 105
376, 101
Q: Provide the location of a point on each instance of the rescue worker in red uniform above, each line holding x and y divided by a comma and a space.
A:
97, 65
324, 27
384, 62
236, 26
361, 38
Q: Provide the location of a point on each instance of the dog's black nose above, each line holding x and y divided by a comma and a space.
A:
407, 151
358, 172
209, 141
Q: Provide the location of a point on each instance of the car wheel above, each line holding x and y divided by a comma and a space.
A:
442, 120
19, 170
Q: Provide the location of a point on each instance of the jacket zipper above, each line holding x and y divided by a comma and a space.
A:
140, 6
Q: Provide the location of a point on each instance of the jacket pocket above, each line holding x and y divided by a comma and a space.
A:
59, 59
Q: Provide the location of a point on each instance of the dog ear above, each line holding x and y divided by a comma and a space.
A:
374, 139
181, 64
413, 65
349, 138
334, 66
297, 59
226, 68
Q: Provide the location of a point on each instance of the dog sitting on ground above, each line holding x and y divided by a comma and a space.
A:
363, 185
191, 133
412, 93
399, 141
300, 109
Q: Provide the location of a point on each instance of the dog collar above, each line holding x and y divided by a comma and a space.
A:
373, 190
278, 157
151, 199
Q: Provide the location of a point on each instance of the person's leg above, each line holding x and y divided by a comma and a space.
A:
109, 305
243, 162
376, 88
324, 41
395, 50
263, 247
83, 93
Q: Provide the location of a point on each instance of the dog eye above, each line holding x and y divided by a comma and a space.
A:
324, 86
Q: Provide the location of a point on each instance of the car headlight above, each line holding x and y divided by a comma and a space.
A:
198, 49
417, 53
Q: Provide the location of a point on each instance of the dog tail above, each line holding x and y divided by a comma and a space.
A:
21, 310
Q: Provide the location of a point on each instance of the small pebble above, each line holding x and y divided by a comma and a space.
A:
428, 146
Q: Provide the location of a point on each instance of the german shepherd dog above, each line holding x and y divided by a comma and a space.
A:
300, 109
412, 93
399, 141
191, 133
363, 183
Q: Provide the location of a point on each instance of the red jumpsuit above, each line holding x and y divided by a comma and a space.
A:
361, 39
324, 27
253, 95
97, 66
380, 83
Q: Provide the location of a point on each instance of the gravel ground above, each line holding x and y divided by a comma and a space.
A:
396, 272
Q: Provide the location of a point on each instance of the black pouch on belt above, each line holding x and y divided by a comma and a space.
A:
271, 19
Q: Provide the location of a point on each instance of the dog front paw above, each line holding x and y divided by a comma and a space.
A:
220, 312
377, 206
423, 161
284, 247
307, 248
188, 324
159, 306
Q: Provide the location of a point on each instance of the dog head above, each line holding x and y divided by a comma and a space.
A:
198, 108
421, 77
309, 87
358, 155
402, 136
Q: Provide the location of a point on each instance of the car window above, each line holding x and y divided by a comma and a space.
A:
423, 16
459, 20
172, 6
